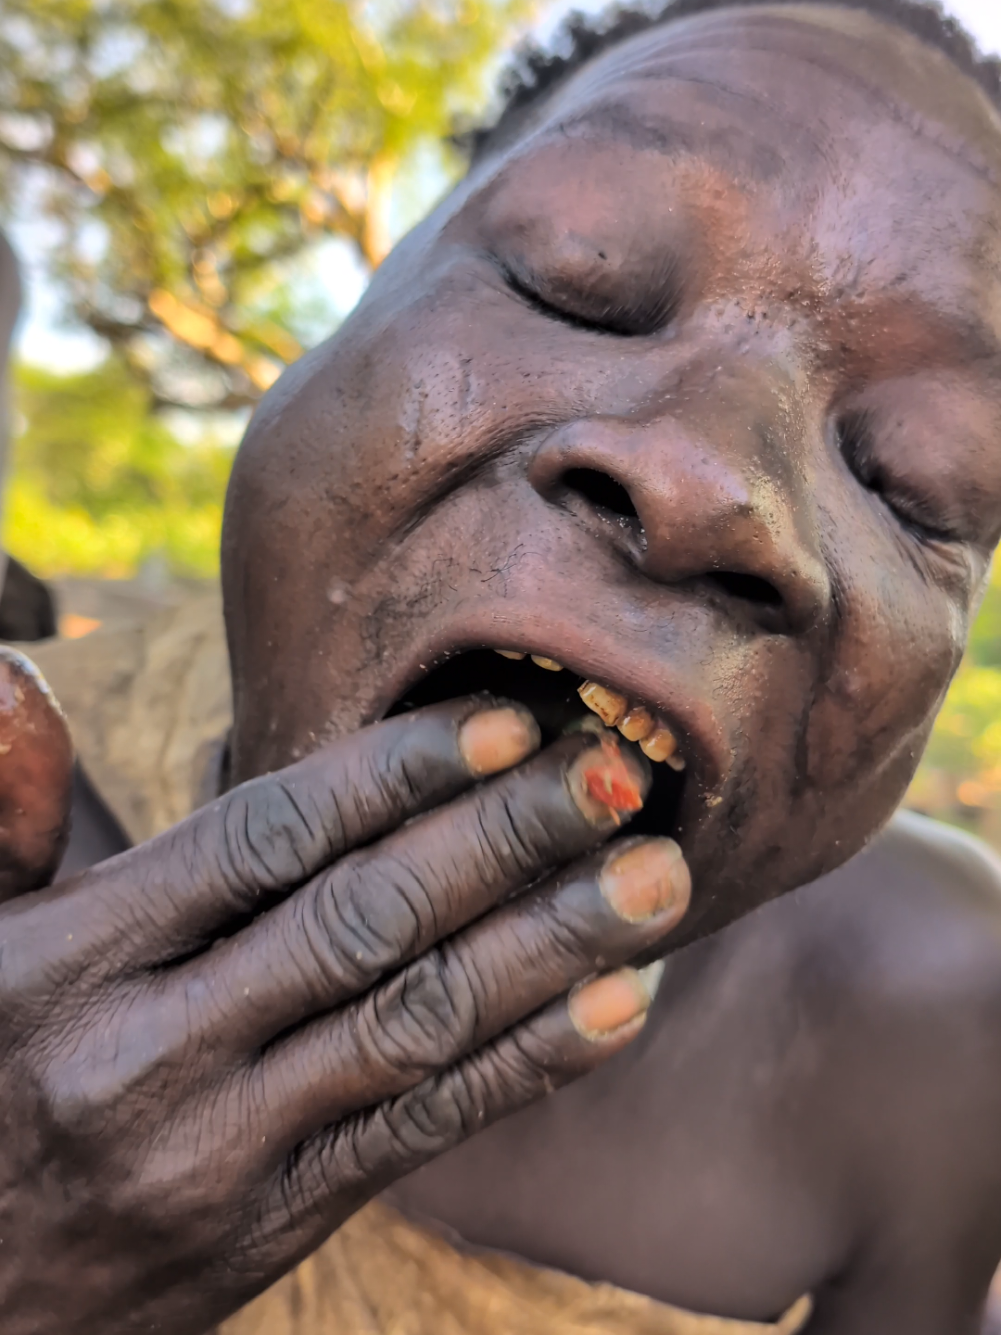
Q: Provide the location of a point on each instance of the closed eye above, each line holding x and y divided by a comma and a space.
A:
912, 511
593, 312
553, 312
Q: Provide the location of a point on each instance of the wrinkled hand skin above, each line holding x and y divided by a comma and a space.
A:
36, 778
216, 1046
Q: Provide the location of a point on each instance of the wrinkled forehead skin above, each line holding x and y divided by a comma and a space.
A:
786, 219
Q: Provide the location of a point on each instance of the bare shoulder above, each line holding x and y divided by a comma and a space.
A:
897, 958
962, 864
915, 916
875, 996
897, 961
918, 913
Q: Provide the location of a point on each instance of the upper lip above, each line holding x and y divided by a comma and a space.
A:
642, 679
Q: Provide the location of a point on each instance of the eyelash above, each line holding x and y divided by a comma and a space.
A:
551, 312
854, 435
621, 323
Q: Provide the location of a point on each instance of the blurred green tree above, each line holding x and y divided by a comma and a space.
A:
960, 776
100, 483
188, 150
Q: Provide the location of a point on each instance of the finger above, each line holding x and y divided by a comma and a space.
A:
465, 992
272, 834
379, 908
36, 778
335, 1172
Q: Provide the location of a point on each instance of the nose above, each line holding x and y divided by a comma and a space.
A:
735, 516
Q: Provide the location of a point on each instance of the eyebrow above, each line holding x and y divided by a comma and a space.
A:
903, 113
935, 339
617, 120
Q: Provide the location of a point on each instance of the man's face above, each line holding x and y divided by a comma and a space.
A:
694, 389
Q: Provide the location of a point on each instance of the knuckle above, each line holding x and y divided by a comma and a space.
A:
573, 935
424, 1019
272, 834
526, 1063
517, 1069
313, 1174
360, 924
389, 781
511, 839
52, 968
439, 1113
77, 1100
454, 1106
401, 774
117, 1063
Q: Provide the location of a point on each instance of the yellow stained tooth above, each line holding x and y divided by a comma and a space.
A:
550, 664
677, 761
636, 725
516, 654
660, 745
608, 705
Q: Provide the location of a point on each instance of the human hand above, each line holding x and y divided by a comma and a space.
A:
218, 1045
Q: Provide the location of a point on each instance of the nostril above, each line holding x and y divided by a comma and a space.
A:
749, 588
601, 491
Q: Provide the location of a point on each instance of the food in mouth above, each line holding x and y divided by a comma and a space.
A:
562, 701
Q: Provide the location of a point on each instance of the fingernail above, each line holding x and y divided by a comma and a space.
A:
646, 879
606, 1004
496, 739
608, 783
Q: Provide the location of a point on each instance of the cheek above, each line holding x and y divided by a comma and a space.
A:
900, 641
359, 435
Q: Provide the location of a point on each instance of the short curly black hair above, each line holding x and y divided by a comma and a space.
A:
536, 72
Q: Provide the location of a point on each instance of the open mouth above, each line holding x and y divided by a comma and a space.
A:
562, 702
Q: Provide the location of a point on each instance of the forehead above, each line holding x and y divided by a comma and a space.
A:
835, 141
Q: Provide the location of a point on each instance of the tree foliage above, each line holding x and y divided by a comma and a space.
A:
100, 484
190, 150
960, 776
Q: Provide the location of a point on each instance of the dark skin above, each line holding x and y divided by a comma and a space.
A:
182, 1126
184, 1123
789, 361
812, 1108
700, 349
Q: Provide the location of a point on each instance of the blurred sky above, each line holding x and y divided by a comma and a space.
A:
45, 341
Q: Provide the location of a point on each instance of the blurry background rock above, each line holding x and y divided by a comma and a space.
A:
200, 189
